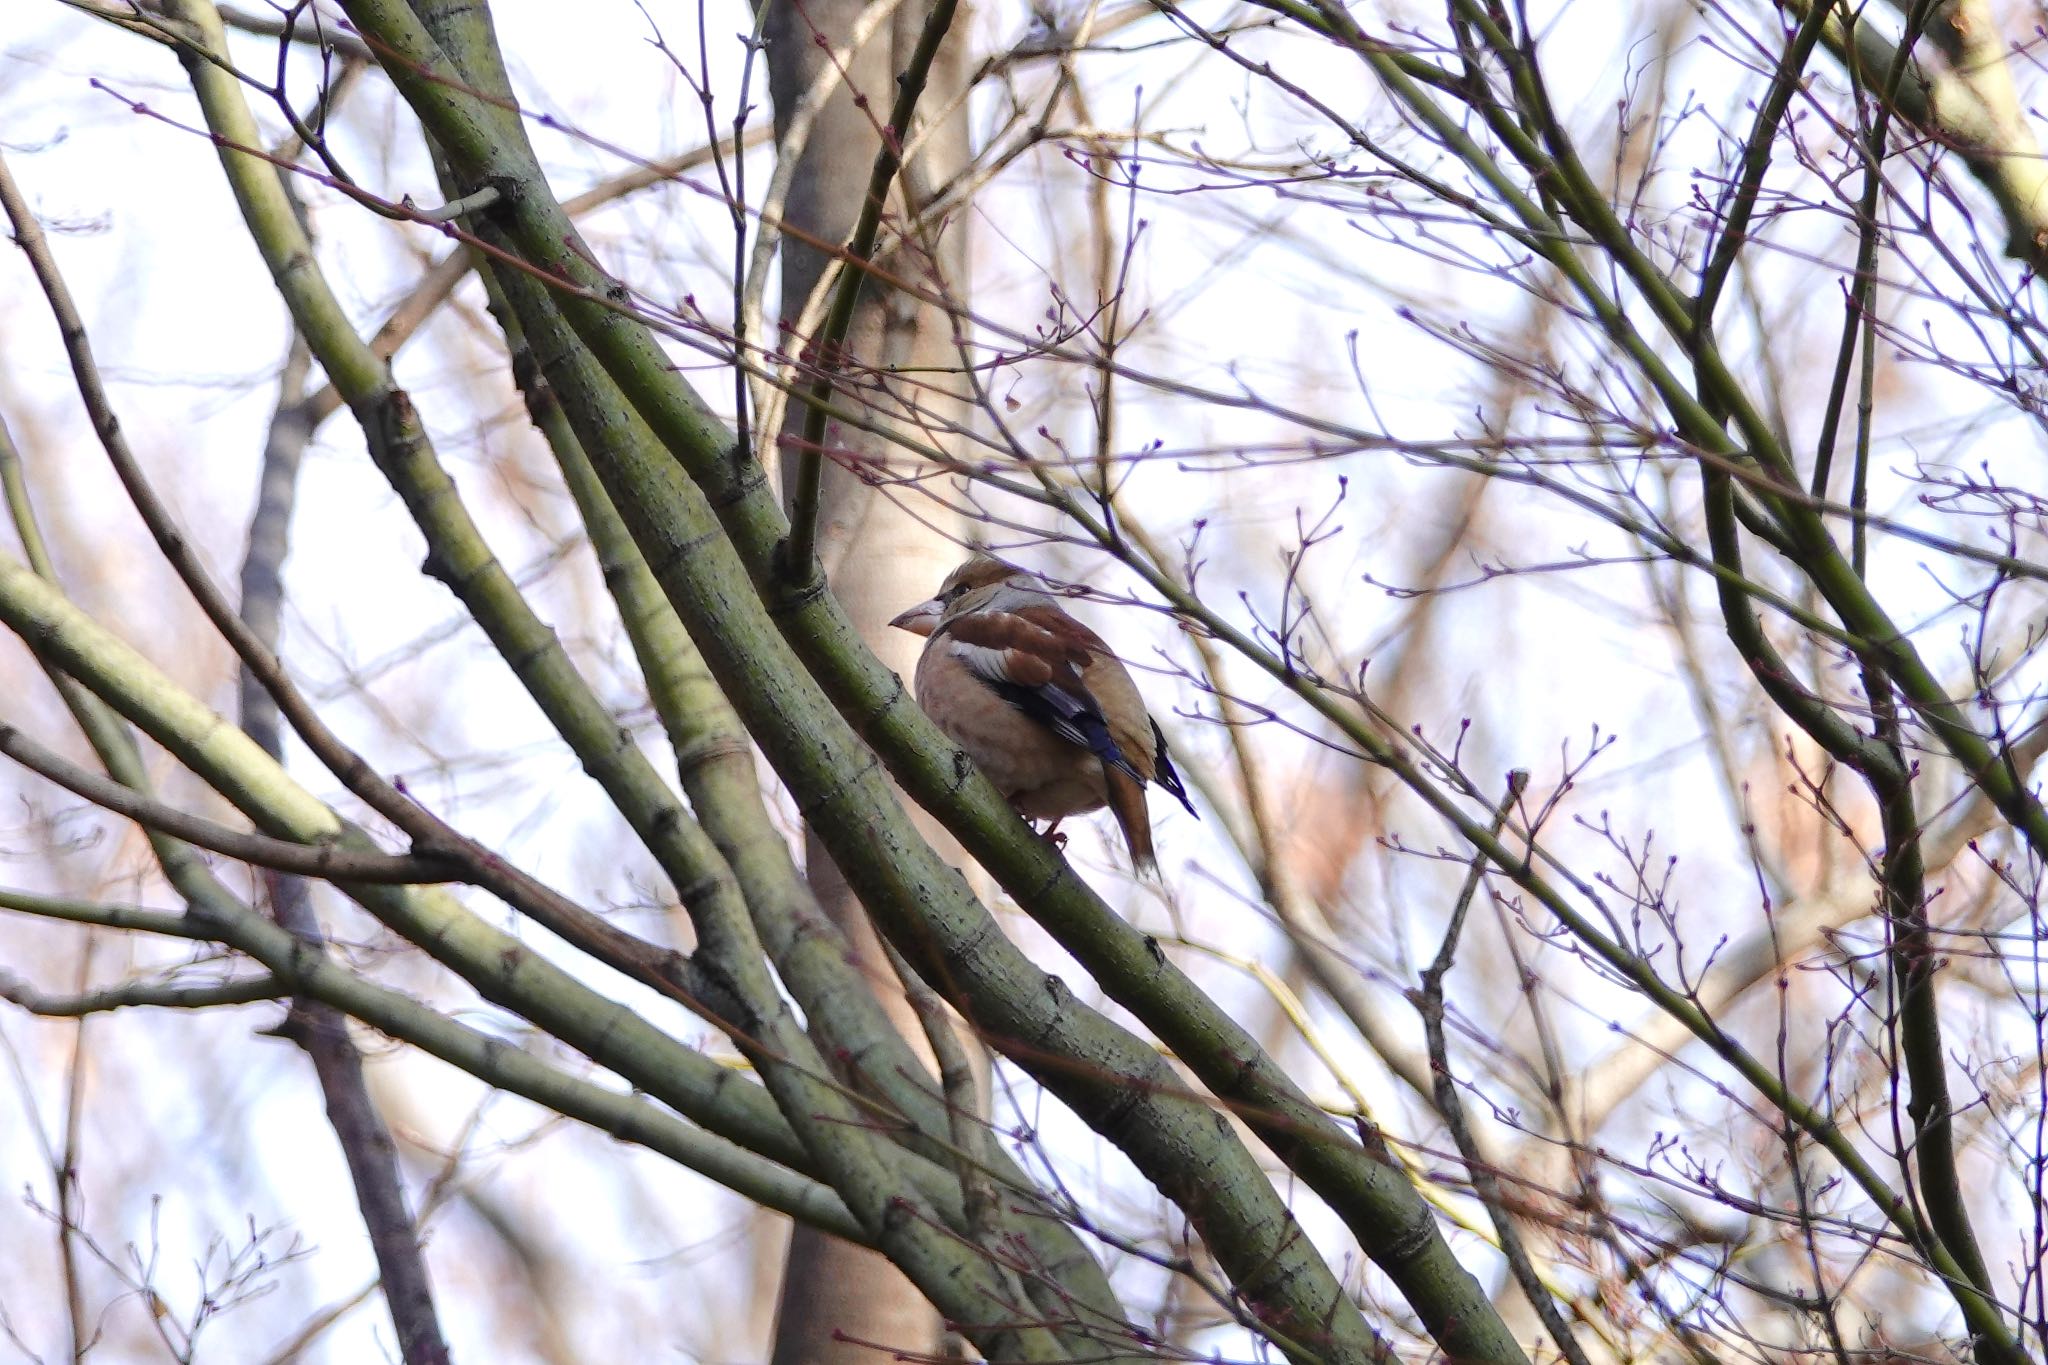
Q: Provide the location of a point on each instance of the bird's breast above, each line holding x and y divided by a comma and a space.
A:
1039, 773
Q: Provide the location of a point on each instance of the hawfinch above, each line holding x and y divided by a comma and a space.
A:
1038, 701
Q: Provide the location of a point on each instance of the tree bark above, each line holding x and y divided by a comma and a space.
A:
878, 557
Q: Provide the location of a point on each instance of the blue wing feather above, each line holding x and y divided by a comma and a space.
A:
1076, 719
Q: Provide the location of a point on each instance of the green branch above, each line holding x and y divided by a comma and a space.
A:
300, 967
922, 904
501, 968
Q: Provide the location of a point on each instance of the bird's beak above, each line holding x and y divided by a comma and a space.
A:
921, 619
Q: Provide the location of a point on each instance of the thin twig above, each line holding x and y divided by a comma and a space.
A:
160, 994
1429, 1002
667, 972
69, 1205
330, 862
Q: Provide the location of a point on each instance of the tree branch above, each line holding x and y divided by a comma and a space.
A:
161, 994
331, 862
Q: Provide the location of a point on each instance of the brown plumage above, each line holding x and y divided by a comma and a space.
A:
1039, 702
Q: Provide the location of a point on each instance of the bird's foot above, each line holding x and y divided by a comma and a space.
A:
1053, 836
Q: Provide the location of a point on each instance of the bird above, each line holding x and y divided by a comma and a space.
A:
1040, 703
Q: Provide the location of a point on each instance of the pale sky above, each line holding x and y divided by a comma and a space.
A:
1247, 291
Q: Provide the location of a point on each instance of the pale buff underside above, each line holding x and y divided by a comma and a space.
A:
1042, 775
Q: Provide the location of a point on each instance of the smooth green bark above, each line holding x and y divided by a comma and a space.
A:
869, 1173
922, 905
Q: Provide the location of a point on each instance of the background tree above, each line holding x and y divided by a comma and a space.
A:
1575, 472
825, 62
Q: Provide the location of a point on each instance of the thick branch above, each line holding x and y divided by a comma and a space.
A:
299, 967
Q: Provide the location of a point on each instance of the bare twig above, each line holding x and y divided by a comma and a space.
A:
331, 862
1429, 1002
158, 994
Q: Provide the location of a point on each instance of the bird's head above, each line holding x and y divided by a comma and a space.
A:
978, 583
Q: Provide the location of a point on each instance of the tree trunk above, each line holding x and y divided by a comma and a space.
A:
839, 1302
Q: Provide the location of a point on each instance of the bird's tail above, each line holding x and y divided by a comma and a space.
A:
1166, 775
1127, 804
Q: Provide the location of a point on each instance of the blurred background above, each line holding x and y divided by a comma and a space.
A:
1354, 419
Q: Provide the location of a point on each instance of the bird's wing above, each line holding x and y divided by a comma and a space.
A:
1033, 658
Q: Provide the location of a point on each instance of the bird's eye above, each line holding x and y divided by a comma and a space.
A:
952, 593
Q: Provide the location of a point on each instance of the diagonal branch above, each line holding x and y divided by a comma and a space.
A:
330, 861
923, 903
157, 994
1971, 107
1429, 1002
303, 969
